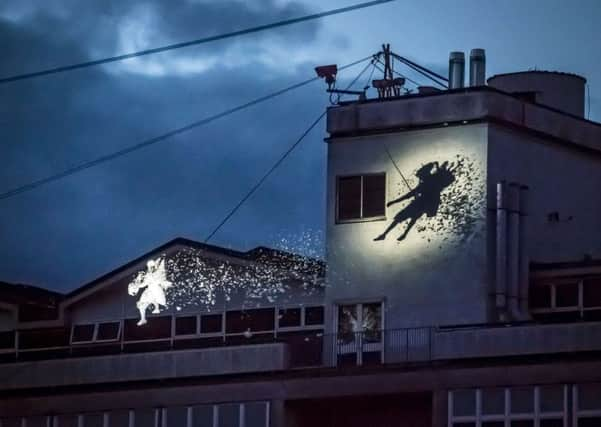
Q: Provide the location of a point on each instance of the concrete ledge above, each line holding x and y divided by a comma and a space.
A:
482, 103
144, 366
516, 341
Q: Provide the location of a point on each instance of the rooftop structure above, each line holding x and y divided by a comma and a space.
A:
461, 285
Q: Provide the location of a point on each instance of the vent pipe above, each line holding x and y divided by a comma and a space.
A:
524, 257
513, 250
501, 252
477, 67
456, 70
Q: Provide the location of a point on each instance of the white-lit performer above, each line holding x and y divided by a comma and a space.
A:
154, 279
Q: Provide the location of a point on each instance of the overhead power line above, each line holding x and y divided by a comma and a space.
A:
162, 137
283, 157
263, 178
251, 30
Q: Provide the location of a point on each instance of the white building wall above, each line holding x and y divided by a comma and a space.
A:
562, 179
437, 274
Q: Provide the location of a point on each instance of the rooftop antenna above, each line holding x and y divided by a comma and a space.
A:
389, 86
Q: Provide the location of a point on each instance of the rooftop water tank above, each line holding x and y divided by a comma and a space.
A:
562, 91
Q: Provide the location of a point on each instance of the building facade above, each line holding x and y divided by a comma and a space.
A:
461, 288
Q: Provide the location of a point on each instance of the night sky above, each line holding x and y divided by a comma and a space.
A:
65, 234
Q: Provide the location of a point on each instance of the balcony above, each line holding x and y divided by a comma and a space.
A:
247, 353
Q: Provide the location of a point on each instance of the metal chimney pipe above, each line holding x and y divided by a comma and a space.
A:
524, 263
477, 67
513, 249
456, 70
501, 252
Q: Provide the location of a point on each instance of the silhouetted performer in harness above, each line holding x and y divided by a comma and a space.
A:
433, 178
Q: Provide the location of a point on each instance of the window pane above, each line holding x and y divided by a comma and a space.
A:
156, 328
211, 323
589, 397
262, 319
202, 416
185, 325
374, 195
38, 422
83, 333
108, 331
551, 423
44, 338
566, 295
347, 319
551, 398
255, 414
591, 292
522, 423
67, 420
349, 197
493, 423
119, 418
229, 415
372, 322
288, 317
176, 416
10, 422
314, 315
493, 401
464, 402
540, 297
255, 320
464, 424
589, 422
144, 418
91, 420
522, 400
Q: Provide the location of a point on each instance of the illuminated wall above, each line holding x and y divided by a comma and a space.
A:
427, 258
201, 281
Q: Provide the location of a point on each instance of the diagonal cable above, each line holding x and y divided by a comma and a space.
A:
251, 30
157, 139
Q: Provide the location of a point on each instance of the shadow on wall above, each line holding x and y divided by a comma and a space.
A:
446, 198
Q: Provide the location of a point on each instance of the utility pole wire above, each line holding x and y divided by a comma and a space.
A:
283, 157
263, 178
164, 136
95, 62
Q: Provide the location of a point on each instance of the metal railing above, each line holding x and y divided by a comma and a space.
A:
308, 348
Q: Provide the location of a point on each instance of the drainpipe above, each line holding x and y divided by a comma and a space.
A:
513, 249
501, 252
524, 261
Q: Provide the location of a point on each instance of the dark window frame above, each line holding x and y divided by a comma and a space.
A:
361, 217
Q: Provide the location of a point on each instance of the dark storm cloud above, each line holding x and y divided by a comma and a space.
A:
66, 233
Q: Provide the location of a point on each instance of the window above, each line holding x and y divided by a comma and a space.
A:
211, 323
361, 196
108, 331
540, 296
261, 319
591, 292
185, 325
314, 315
7, 340
83, 333
156, 328
542, 406
566, 295
289, 317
